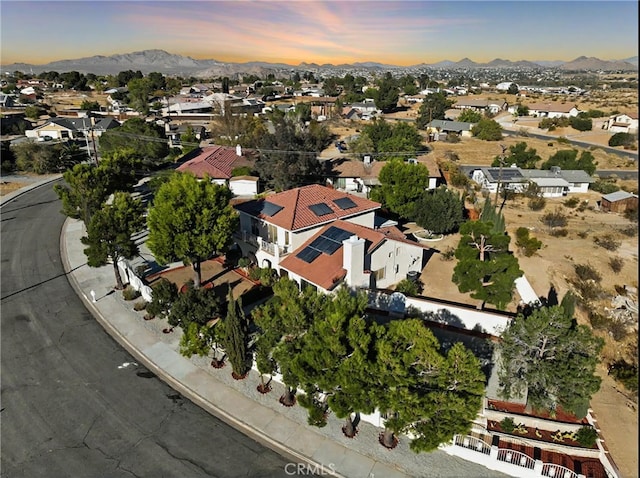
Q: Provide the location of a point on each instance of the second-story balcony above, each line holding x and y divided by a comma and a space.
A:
264, 245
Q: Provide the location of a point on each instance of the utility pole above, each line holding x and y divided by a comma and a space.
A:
95, 152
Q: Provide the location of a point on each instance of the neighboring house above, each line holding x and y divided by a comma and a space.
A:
619, 201
505, 85
492, 106
438, 128
188, 107
351, 114
272, 227
358, 177
553, 183
553, 110
175, 131
419, 98
72, 128
217, 163
358, 256
623, 123
367, 106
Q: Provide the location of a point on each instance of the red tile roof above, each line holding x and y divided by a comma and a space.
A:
326, 270
295, 203
217, 162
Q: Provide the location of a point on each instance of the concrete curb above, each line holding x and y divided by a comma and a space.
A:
176, 384
19, 192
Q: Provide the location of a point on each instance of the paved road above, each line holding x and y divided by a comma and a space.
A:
73, 402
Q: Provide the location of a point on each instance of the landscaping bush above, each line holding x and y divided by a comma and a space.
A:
507, 425
581, 124
409, 287
616, 264
587, 436
587, 272
140, 305
129, 293
607, 242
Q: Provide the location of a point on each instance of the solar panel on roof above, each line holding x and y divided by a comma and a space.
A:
336, 234
507, 174
308, 254
326, 245
270, 209
320, 209
344, 203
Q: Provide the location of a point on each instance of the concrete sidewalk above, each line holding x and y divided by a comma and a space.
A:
276, 430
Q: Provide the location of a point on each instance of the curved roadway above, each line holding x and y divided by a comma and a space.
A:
73, 402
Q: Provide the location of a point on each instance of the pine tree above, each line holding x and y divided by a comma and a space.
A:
552, 359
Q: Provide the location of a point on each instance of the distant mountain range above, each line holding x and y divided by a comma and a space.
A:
161, 61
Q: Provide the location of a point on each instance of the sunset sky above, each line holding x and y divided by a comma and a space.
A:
346, 31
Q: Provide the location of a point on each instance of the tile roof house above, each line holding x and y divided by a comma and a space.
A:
218, 163
358, 256
553, 183
276, 225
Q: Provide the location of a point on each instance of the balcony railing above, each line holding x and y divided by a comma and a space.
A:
472, 443
557, 471
516, 458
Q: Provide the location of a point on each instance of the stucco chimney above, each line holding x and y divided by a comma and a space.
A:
238, 150
353, 261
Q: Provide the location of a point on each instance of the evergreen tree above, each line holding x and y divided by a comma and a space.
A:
401, 185
487, 130
236, 337
485, 266
551, 359
489, 215
520, 156
387, 97
164, 295
109, 233
87, 187
190, 220
440, 211
433, 107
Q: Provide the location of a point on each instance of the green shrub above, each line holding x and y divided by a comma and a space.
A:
129, 293
621, 139
607, 242
527, 244
587, 436
626, 374
408, 287
581, 124
507, 424
571, 202
604, 186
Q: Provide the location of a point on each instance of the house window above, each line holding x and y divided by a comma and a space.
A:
380, 274
272, 233
255, 227
286, 238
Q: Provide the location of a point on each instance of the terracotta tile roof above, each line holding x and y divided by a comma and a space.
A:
217, 162
296, 214
326, 270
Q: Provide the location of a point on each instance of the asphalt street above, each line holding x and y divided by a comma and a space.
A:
74, 403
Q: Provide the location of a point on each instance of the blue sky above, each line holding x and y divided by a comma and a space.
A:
294, 31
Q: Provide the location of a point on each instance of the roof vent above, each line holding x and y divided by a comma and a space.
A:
555, 170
